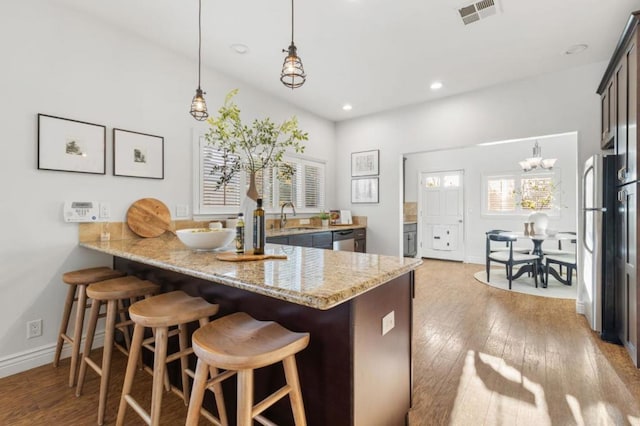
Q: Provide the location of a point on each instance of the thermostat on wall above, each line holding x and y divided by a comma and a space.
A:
81, 211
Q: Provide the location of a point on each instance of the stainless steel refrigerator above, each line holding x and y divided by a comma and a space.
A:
598, 245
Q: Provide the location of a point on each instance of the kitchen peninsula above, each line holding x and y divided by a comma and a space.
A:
351, 373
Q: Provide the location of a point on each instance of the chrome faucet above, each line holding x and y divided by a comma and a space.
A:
283, 215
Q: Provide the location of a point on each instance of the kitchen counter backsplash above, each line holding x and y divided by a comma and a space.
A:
410, 212
120, 230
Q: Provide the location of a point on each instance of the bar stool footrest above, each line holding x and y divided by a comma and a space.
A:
270, 400
264, 421
138, 409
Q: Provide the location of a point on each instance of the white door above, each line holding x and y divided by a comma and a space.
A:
591, 245
440, 223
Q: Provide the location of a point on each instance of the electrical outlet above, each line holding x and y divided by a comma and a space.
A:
34, 329
304, 221
105, 211
388, 322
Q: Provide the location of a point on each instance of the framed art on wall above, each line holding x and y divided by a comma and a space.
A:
71, 145
365, 163
138, 154
364, 190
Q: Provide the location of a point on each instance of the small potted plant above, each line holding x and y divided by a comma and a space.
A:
324, 217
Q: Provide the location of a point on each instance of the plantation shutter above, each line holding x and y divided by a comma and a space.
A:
314, 186
227, 194
500, 195
288, 190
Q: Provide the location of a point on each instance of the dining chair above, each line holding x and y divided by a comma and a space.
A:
490, 248
562, 251
511, 257
566, 260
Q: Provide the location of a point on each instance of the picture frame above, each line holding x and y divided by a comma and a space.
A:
365, 163
69, 145
365, 191
138, 154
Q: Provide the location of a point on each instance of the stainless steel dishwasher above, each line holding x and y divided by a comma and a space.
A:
343, 240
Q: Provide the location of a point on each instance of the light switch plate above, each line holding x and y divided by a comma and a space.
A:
304, 221
388, 322
105, 210
182, 210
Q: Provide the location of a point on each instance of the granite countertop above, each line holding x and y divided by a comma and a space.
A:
308, 229
311, 277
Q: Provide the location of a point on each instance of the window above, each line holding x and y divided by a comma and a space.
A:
305, 189
442, 180
228, 195
501, 194
520, 193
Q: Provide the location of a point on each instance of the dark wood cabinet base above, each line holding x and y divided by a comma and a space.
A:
350, 374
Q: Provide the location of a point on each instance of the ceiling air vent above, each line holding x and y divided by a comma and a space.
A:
477, 11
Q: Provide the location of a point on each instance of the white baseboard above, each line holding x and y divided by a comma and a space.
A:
580, 307
475, 259
32, 358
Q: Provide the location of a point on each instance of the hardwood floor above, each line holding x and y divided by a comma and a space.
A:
485, 356
482, 356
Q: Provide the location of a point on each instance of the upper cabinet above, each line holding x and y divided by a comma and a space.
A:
608, 110
619, 98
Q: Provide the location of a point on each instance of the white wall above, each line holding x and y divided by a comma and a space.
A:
548, 104
58, 62
478, 161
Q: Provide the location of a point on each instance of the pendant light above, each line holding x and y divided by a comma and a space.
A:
536, 160
292, 74
198, 104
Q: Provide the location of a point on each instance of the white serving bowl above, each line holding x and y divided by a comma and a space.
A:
205, 238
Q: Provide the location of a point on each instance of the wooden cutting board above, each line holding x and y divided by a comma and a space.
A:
149, 217
233, 257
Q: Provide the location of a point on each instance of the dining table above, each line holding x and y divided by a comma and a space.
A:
537, 240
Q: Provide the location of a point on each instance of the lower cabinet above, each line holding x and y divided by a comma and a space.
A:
323, 240
626, 279
279, 240
360, 243
410, 240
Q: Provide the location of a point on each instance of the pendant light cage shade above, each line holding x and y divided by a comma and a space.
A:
199, 106
292, 74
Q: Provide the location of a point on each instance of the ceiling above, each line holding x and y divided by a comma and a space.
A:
374, 54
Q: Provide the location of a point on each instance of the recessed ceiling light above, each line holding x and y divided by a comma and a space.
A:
436, 85
240, 48
576, 48
347, 107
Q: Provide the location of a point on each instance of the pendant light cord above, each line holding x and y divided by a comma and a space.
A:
291, 21
199, 39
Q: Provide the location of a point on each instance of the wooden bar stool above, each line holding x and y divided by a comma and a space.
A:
239, 342
77, 292
159, 313
113, 292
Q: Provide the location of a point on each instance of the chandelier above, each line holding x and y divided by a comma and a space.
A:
536, 161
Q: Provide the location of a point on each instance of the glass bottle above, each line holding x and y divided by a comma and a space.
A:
240, 234
259, 237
